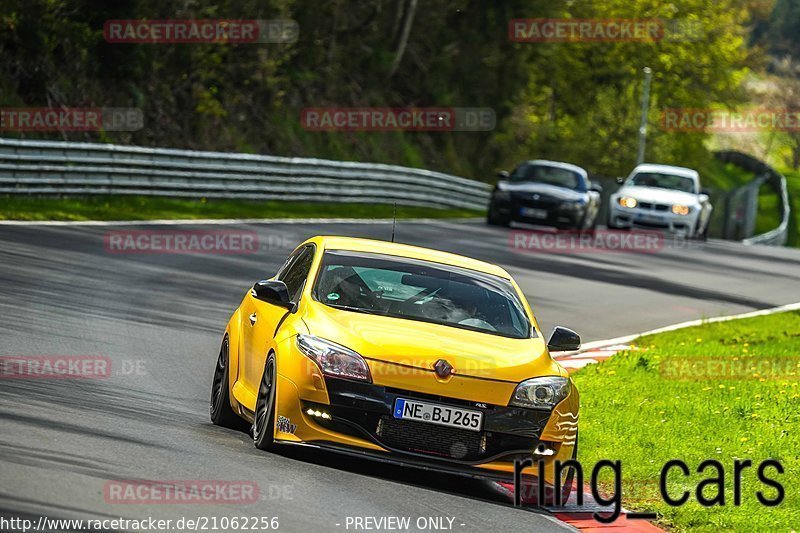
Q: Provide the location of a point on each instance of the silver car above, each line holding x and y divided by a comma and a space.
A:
661, 197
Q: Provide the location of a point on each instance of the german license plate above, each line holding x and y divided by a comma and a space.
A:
532, 212
443, 415
650, 218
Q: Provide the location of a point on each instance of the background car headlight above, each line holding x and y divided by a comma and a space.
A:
541, 393
680, 209
627, 201
334, 359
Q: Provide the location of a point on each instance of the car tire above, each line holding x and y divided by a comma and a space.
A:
264, 420
549, 499
220, 408
587, 229
703, 235
566, 489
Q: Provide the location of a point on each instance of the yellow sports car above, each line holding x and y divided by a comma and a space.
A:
401, 354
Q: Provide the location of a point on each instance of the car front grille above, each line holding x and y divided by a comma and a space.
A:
539, 201
431, 439
653, 207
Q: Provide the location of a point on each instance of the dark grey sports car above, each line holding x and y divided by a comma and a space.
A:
546, 193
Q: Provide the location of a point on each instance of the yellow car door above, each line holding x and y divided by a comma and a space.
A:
261, 321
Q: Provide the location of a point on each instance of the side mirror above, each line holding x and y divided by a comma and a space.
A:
273, 292
596, 187
503, 174
620, 180
707, 192
564, 340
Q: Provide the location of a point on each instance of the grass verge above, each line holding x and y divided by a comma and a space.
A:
637, 410
150, 208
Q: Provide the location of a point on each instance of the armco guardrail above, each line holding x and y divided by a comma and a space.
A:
48, 167
765, 174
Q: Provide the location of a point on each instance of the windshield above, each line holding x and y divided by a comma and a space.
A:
560, 177
663, 181
420, 290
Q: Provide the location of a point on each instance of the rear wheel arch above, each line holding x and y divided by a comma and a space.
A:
221, 410
234, 332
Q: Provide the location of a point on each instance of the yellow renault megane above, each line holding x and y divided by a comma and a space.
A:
401, 354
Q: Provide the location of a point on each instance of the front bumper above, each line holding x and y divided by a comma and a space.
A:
365, 411
359, 422
624, 217
549, 212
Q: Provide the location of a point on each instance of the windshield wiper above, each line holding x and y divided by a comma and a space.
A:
356, 309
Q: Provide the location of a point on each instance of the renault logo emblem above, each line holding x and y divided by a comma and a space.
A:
443, 368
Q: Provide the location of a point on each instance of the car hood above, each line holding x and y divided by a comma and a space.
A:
410, 343
656, 195
526, 187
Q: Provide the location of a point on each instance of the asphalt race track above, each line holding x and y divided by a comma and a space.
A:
159, 319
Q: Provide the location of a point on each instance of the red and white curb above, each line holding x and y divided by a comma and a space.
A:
581, 516
576, 361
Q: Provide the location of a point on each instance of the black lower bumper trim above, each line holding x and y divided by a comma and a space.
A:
404, 460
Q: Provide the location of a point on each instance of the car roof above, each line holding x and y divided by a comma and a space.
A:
329, 242
559, 164
661, 169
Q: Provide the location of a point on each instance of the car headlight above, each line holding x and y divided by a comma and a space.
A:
334, 359
541, 393
627, 201
680, 209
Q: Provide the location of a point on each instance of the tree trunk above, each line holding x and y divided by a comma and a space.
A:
405, 31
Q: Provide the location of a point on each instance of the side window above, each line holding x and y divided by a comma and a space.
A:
295, 275
285, 265
518, 173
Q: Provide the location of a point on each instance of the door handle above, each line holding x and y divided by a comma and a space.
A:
253, 319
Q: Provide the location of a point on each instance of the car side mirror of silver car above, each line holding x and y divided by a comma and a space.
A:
564, 340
